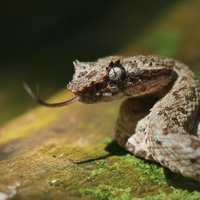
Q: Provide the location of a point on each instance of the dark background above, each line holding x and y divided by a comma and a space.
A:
40, 39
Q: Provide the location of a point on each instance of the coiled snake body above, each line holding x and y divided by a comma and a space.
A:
168, 133
160, 119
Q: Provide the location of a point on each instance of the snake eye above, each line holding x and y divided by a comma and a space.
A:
115, 73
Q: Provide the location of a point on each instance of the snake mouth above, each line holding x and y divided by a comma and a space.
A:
41, 102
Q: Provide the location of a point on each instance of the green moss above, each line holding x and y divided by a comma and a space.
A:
108, 192
123, 174
126, 195
175, 195
107, 140
118, 174
154, 171
103, 192
90, 152
102, 163
96, 172
160, 175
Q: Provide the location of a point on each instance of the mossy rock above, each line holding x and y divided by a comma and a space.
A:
69, 153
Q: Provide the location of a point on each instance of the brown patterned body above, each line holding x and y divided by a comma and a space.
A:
160, 120
172, 132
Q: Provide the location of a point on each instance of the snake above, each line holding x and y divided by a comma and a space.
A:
159, 118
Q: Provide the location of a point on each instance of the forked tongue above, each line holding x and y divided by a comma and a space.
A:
41, 102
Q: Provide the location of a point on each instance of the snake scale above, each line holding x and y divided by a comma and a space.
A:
160, 117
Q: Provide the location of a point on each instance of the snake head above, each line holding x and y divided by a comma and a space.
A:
98, 81
117, 76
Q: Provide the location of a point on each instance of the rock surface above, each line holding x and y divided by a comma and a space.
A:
69, 153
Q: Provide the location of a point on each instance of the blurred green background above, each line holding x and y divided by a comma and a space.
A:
40, 39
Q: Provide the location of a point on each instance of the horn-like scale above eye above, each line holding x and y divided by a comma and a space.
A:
115, 74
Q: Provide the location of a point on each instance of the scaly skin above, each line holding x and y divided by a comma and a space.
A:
160, 120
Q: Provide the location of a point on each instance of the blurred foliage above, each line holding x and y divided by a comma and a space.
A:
40, 39
166, 43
